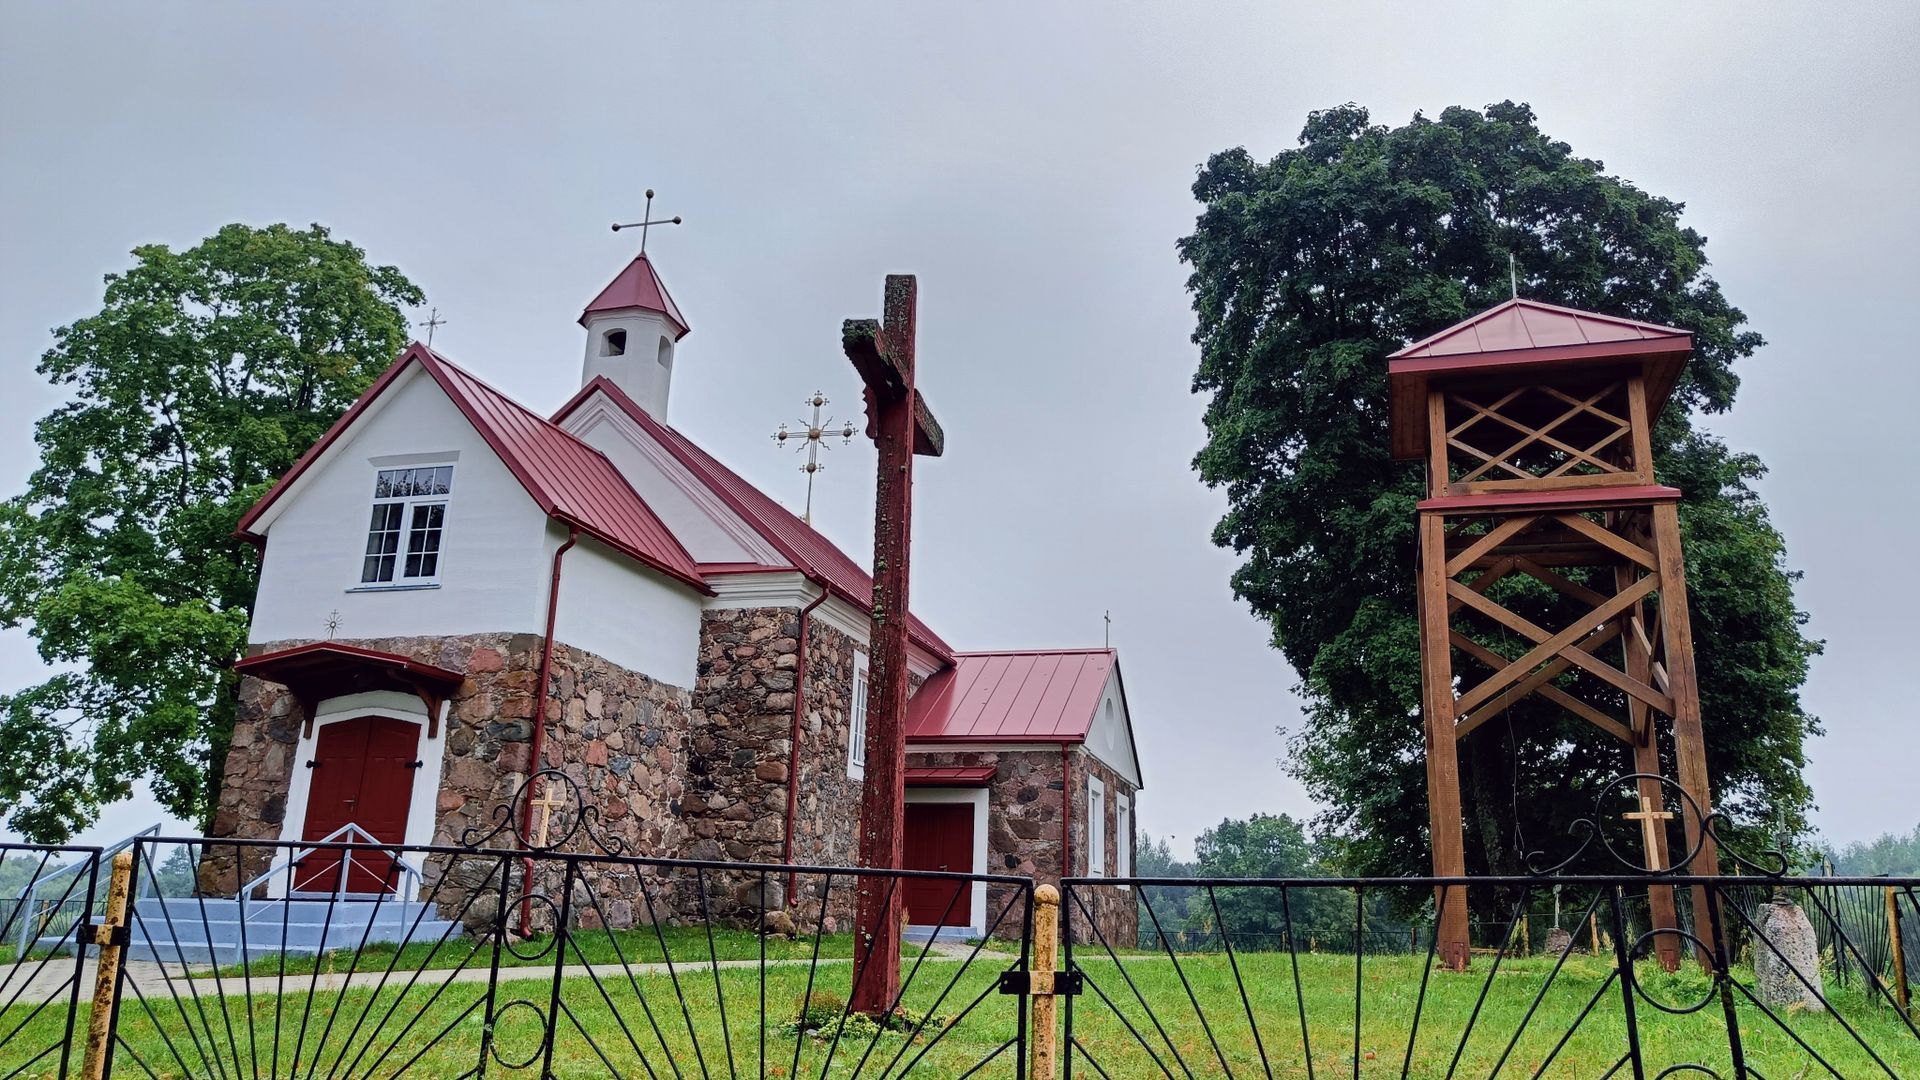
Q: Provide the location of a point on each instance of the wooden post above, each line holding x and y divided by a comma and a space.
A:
1046, 952
106, 978
901, 426
1593, 931
1646, 754
1899, 953
1689, 737
1445, 826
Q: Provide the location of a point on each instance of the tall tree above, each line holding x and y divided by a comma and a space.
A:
204, 375
1307, 271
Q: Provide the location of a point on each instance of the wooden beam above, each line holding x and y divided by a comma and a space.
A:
1540, 681
1547, 577
1486, 544
1607, 538
1553, 645
1446, 826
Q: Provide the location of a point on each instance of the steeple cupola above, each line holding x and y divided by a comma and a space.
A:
632, 328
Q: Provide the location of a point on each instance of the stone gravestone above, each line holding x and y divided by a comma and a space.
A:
1559, 941
1794, 948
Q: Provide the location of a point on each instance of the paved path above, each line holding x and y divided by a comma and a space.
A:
35, 982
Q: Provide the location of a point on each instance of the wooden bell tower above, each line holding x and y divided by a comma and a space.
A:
1535, 423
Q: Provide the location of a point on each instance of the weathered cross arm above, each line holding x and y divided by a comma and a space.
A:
865, 344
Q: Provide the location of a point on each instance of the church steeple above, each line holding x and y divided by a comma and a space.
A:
632, 328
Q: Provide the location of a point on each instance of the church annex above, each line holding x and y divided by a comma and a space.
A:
456, 591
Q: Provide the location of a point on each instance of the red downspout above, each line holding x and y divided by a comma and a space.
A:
536, 744
1066, 810
793, 743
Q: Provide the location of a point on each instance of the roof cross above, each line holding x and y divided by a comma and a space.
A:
647, 219
814, 433
432, 322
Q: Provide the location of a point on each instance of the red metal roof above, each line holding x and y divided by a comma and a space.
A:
796, 540
569, 480
638, 286
1039, 696
1526, 339
949, 775
327, 658
1529, 324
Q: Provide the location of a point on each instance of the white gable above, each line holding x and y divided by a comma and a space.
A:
492, 575
1111, 737
703, 523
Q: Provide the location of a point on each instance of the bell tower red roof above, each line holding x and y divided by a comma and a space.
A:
1525, 339
638, 286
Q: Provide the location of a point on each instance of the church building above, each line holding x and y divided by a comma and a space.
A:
456, 591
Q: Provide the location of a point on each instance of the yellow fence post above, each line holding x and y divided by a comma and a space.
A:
107, 936
1899, 952
1046, 960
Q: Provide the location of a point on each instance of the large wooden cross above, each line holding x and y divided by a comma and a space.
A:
901, 426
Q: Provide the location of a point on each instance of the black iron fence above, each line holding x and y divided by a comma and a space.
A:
557, 955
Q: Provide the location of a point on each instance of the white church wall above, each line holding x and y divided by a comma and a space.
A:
492, 573
1110, 737
704, 525
644, 369
614, 608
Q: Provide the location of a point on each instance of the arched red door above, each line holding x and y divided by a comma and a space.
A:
363, 771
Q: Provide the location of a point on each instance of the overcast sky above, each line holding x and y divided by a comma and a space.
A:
1031, 164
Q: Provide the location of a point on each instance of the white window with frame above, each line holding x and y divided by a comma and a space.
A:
1122, 836
409, 519
857, 720
1096, 827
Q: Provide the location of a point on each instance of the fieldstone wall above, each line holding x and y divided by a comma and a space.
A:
1115, 910
1023, 832
619, 735
825, 831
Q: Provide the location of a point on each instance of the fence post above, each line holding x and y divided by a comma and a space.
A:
1040, 977
1899, 953
109, 936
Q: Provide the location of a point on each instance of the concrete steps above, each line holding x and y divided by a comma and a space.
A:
199, 930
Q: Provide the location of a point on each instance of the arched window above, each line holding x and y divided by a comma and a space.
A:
614, 343
665, 355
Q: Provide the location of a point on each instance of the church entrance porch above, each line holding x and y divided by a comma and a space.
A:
363, 772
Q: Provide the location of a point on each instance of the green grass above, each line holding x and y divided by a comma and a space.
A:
641, 1025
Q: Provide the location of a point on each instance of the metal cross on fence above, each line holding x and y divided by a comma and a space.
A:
901, 426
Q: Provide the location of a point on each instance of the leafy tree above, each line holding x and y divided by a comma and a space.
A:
1891, 854
1307, 271
203, 376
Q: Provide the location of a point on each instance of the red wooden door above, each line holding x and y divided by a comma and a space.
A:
363, 772
939, 836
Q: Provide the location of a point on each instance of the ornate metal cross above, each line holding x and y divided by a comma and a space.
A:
1649, 832
646, 220
432, 322
901, 426
546, 803
814, 433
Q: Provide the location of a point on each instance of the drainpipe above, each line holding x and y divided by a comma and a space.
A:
1066, 809
537, 742
793, 742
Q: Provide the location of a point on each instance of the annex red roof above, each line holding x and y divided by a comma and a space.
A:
638, 286
569, 480
1041, 696
330, 668
950, 776
1520, 336
796, 540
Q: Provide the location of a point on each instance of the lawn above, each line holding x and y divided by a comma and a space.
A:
656, 1025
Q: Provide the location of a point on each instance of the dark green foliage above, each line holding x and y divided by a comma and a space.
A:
204, 375
1307, 271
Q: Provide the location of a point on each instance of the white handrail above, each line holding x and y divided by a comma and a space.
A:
344, 834
30, 924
